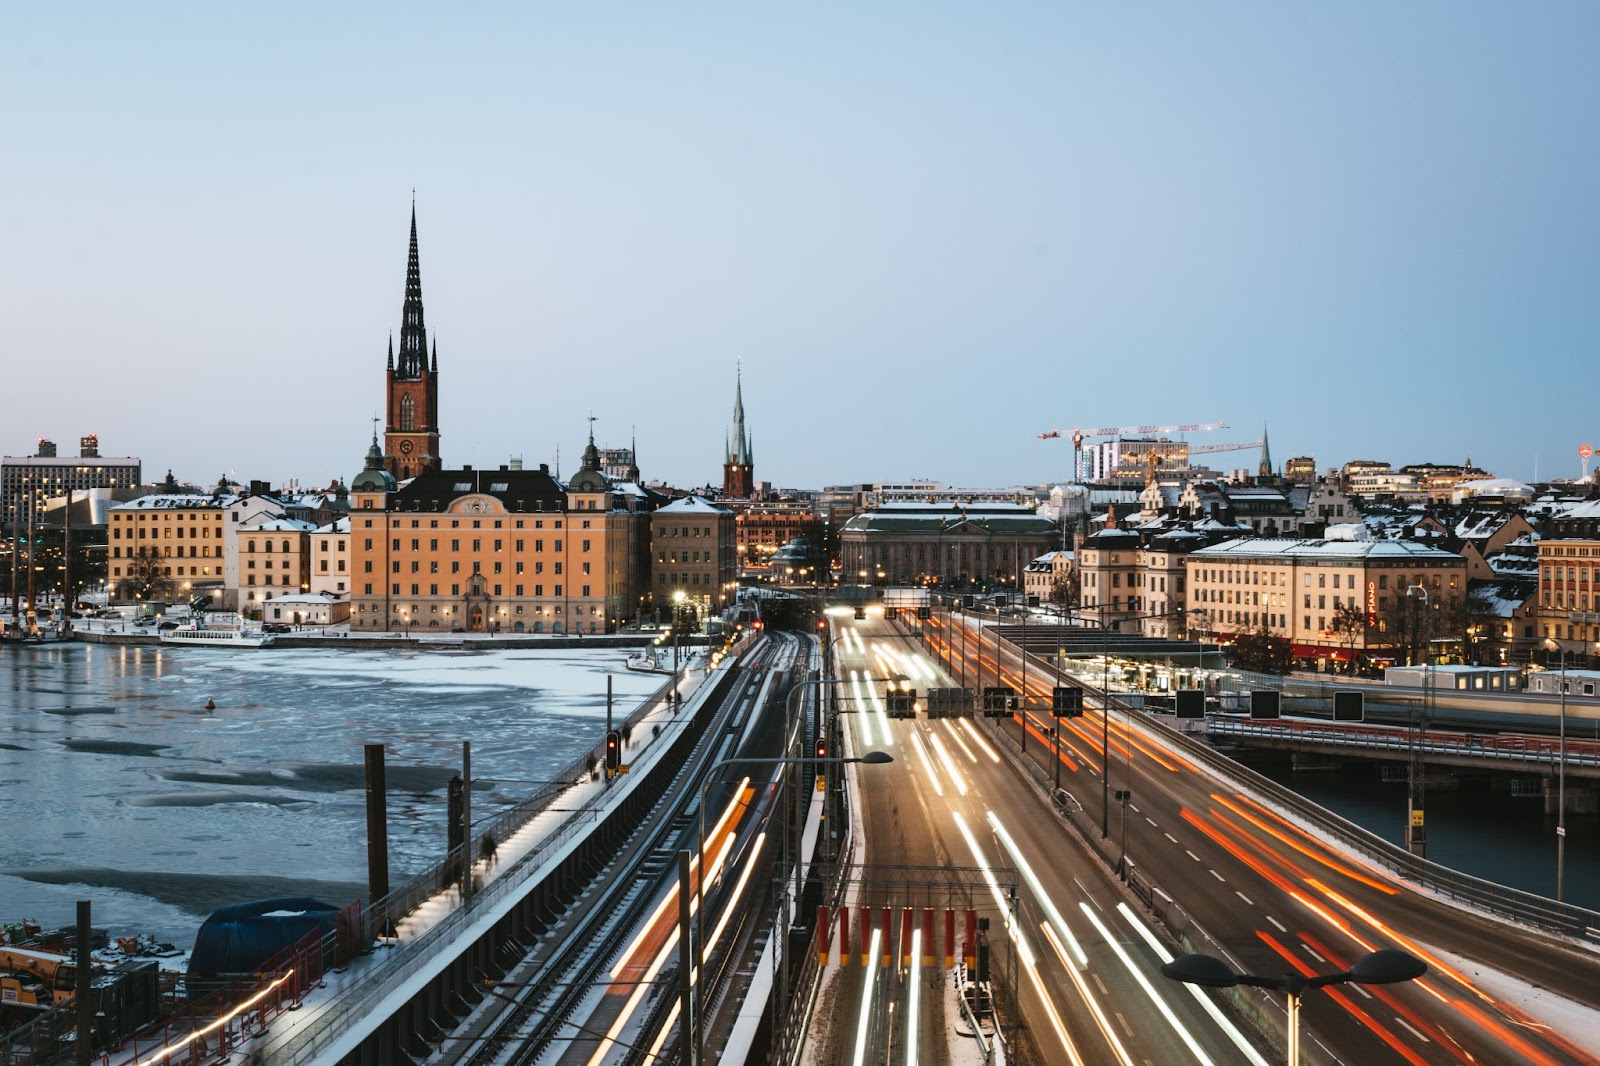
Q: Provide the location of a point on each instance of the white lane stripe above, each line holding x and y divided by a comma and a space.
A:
1192, 855
1244, 897
1204, 1000
1170, 837
1276, 924
1144, 982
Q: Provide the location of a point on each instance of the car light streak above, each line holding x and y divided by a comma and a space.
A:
738, 892
863, 718
1144, 982
741, 799
1421, 1026
922, 750
914, 1015
1055, 916
874, 709
1381, 1032
977, 738
1025, 957
640, 990
955, 735
866, 1001
199, 1034
1307, 852
1223, 1021
949, 763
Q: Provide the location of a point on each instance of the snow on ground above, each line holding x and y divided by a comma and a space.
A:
1576, 1021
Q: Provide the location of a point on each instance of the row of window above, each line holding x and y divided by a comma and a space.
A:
455, 523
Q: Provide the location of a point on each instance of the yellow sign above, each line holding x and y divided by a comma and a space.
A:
1416, 818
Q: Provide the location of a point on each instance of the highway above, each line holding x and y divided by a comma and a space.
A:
1273, 896
950, 807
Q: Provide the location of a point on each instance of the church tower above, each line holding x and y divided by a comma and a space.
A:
411, 433
738, 464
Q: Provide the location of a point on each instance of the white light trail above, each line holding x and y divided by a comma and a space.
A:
1144, 982
949, 763
922, 750
1204, 1000
915, 1013
955, 735
977, 737
1049, 905
863, 717
866, 1000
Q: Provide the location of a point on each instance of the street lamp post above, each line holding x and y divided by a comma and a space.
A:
1561, 777
694, 1030
1384, 967
1416, 828
677, 638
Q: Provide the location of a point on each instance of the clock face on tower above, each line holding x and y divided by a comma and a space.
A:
405, 447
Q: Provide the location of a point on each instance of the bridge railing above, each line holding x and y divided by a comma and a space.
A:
1542, 750
1526, 907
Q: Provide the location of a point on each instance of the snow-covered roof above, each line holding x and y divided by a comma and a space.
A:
1501, 598
279, 525
693, 505
187, 501
307, 597
1266, 547
342, 525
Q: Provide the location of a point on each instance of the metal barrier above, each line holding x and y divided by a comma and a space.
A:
1516, 748
1514, 904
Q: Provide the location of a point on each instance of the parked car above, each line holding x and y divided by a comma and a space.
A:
276, 627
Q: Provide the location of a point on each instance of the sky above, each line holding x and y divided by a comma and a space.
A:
927, 232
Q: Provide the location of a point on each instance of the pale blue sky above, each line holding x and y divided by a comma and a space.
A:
929, 231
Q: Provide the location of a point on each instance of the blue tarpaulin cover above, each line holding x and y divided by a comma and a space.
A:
240, 938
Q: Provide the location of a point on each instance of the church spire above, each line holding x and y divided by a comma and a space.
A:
738, 476
1266, 454
413, 334
739, 452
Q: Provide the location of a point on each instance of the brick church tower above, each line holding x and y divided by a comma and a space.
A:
411, 433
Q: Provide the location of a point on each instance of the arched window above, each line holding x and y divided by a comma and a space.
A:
286, 546
249, 545
408, 414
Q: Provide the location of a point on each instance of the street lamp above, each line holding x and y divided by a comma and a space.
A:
1384, 967
677, 639
1416, 830
1561, 778
695, 1031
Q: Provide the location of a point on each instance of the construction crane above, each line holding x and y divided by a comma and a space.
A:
1237, 446
1078, 436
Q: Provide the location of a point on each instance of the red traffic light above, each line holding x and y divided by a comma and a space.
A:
822, 749
613, 750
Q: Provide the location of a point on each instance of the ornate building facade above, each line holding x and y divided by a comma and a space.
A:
411, 434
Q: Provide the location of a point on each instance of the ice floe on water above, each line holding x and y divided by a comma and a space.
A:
121, 788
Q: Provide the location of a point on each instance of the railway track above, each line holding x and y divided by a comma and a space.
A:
560, 1002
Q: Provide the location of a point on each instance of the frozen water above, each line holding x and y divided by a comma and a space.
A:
116, 778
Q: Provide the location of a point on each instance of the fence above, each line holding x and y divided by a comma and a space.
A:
1543, 751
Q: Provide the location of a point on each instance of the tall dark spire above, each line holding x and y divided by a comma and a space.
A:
1266, 454
413, 334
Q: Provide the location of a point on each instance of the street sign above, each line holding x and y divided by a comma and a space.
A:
1066, 701
997, 701
1191, 703
1416, 818
1264, 703
1349, 706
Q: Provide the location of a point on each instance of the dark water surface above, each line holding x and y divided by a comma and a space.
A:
1479, 830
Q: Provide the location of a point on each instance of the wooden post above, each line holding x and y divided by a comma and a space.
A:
82, 993
377, 829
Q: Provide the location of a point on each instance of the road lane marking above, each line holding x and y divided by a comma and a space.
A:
1136, 810
1218, 876
1144, 982
1200, 997
1244, 897
1192, 855
1276, 924
1128, 1028
1101, 985
1170, 837
1152, 822
1312, 952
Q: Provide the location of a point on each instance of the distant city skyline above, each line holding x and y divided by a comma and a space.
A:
927, 239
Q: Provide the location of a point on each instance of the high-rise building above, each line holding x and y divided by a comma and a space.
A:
738, 465
28, 481
411, 434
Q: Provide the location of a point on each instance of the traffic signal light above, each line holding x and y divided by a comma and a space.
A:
822, 625
613, 750
822, 749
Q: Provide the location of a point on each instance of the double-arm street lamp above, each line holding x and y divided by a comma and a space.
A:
694, 1030
1385, 967
1561, 775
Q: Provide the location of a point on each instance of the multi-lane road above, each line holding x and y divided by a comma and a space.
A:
1272, 896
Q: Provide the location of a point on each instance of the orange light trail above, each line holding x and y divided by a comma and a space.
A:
1424, 1026
1337, 867
1344, 1001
